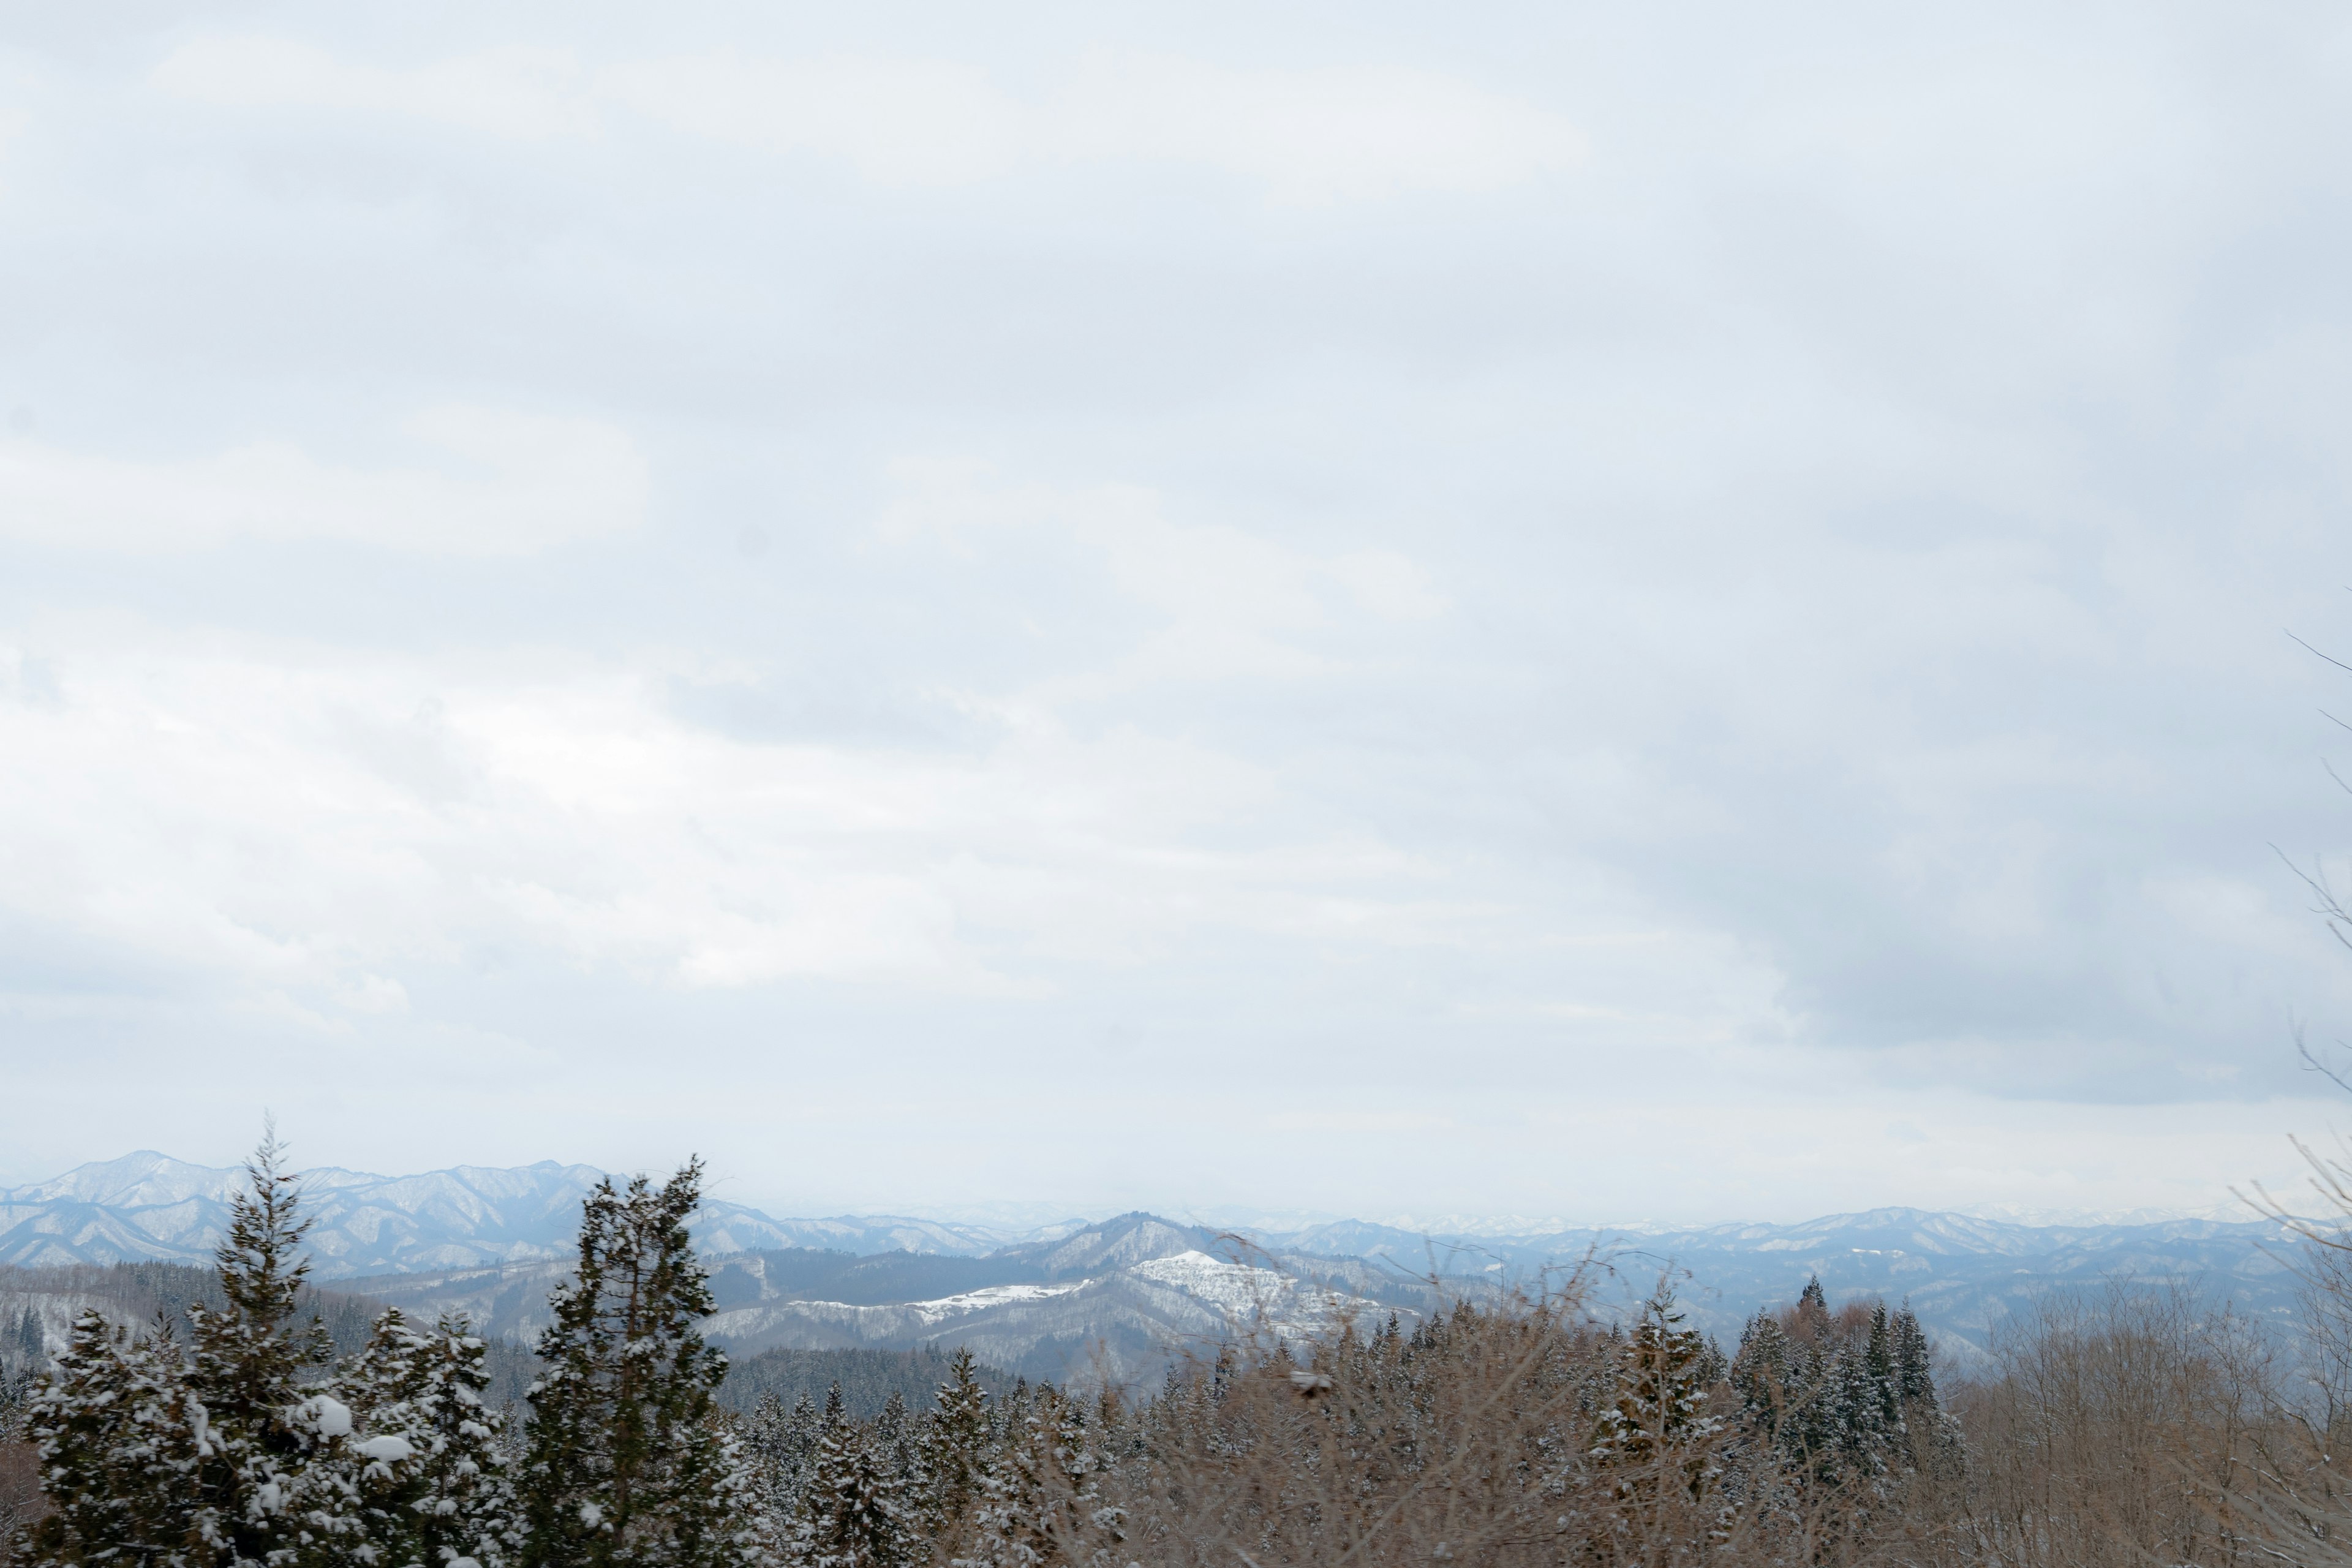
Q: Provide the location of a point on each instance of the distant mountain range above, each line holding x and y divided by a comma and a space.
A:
491, 1241
149, 1207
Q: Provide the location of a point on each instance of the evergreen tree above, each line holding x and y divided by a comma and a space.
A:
780, 1445
166, 1458
955, 1448
1759, 1373
894, 1438
119, 1440
1813, 1310
1932, 1436
1879, 1356
248, 1362
1042, 1500
1914, 1382
1840, 1404
855, 1511
32, 1343
409, 1471
626, 1463
1660, 1400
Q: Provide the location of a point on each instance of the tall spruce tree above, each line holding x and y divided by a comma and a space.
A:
1661, 1394
1761, 1373
626, 1463
1915, 1382
853, 1513
409, 1471
248, 1361
192, 1459
32, 1343
1841, 1401
119, 1440
954, 1447
1041, 1498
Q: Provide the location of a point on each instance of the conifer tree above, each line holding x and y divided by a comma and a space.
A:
780, 1445
32, 1344
409, 1468
1878, 1354
119, 1440
1041, 1498
1914, 1382
894, 1439
1661, 1390
1759, 1373
1813, 1310
955, 1446
855, 1514
249, 1360
1932, 1436
165, 1457
627, 1463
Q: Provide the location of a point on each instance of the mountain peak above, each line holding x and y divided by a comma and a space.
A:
143, 1179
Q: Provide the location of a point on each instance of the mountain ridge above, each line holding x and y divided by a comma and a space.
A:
490, 1240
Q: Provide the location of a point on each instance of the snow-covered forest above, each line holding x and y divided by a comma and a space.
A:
258, 1420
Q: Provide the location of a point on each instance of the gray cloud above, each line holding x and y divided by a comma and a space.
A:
1578, 612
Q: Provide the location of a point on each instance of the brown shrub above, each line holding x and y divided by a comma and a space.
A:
1516, 1433
21, 1502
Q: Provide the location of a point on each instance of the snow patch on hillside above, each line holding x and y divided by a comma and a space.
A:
945, 1307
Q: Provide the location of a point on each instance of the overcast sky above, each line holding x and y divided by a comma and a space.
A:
1600, 611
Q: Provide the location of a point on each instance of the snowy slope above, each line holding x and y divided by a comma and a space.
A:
1124, 1295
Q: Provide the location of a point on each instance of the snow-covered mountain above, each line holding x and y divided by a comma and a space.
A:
492, 1240
148, 1207
1120, 1296
1963, 1273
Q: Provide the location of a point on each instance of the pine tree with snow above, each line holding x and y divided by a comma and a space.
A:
954, 1443
248, 1362
894, 1440
1041, 1498
1760, 1371
627, 1462
1661, 1395
120, 1441
854, 1512
1813, 1306
159, 1457
1878, 1355
780, 1445
409, 1471
1915, 1381
32, 1343
1932, 1437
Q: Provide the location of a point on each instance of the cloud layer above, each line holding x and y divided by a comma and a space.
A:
1572, 613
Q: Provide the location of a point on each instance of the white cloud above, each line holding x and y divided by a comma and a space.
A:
1390, 585
1307, 137
899, 121
528, 94
1796, 605
506, 484
1333, 134
1226, 603
302, 824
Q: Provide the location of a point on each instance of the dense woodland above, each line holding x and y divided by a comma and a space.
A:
255, 1420
868, 1381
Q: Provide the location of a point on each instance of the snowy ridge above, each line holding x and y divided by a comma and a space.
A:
148, 1207
1117, 1299
490, 1241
